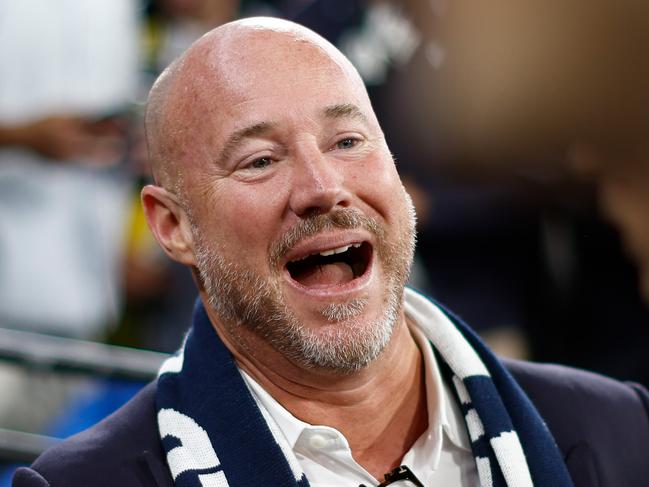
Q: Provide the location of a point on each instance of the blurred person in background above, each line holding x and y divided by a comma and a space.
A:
68, 72
622, 177
525, 89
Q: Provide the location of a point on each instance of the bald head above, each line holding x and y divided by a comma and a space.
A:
223, 66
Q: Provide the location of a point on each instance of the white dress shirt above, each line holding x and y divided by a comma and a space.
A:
441, 456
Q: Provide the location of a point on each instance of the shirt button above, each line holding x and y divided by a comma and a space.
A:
318, 441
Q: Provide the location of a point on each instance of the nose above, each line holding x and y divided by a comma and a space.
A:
318, 185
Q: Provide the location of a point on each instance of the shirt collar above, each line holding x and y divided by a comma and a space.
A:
444, 410
290, 426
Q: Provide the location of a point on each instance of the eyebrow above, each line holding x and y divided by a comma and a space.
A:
344, 110
238, 136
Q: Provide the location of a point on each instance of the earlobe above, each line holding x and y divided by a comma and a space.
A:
169, 223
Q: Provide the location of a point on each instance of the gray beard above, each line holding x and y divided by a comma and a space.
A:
243, 299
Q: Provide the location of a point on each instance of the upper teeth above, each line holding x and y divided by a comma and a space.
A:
338, 250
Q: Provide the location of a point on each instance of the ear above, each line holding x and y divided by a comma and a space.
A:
169, 224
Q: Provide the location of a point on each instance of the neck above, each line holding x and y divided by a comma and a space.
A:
381, 410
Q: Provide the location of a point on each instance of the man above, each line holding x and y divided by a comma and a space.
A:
307, 363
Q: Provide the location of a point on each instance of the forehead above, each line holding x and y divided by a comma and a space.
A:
257, 77
280, 75
264, 69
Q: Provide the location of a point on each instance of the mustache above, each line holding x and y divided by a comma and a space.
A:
345, 218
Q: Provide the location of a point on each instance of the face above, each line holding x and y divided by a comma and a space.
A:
303, 233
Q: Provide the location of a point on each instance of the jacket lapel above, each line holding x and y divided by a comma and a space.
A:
581, 465
153, 470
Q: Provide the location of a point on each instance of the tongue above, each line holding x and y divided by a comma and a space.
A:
327, 275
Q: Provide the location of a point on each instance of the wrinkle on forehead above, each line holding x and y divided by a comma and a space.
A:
221, 67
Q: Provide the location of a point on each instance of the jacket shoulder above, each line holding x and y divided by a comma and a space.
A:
591, 416
122, 449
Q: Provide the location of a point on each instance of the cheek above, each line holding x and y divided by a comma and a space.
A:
378, 184
251, 218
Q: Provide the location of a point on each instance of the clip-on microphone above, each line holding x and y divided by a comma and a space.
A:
399, 473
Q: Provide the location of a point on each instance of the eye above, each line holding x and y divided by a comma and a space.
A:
347, 143
261, 163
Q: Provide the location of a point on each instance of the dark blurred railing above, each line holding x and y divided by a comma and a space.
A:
66, 355
18, 446
34, 350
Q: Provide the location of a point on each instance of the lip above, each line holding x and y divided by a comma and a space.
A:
327, 241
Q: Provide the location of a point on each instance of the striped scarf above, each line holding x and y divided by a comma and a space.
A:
215, 435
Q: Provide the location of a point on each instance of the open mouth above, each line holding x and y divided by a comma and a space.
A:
332, 267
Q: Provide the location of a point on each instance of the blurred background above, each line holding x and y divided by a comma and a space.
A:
520, 127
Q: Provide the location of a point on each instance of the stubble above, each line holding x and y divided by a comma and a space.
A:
244, 299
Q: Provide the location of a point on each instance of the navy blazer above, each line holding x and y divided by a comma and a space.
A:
601, 426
